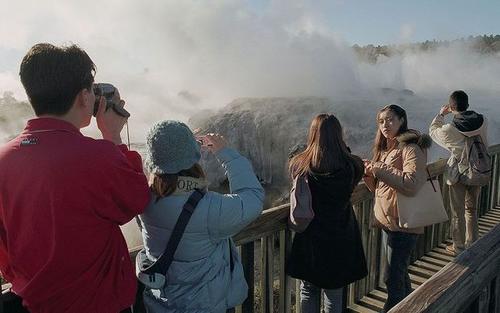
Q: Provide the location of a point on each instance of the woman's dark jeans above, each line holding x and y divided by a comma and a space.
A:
398, 247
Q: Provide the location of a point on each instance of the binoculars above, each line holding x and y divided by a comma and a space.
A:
108, 91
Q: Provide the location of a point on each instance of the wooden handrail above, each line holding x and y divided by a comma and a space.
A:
275, 219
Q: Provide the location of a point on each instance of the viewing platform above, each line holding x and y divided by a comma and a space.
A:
441, 282
468, 283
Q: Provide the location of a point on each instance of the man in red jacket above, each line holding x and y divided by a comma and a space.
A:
63, 196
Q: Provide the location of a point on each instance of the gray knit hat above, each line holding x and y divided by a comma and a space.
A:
171, 147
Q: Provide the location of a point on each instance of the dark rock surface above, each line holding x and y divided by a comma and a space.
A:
267, 130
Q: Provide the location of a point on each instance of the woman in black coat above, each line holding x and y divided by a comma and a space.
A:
329, 254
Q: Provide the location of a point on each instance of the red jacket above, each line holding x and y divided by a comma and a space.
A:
62, 199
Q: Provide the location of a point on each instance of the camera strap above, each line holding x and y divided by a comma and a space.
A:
163, 262
128, 135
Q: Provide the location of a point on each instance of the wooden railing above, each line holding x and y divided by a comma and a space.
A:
471, 282
270, 290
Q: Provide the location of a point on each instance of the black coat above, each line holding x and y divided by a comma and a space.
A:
329, 253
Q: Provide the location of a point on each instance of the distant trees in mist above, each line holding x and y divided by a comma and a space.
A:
485, 44
13, 116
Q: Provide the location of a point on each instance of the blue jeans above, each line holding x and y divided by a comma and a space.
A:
310, 299
398, 250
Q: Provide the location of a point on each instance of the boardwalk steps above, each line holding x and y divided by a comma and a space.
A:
423, 268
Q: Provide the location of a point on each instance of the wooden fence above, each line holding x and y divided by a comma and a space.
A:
270, 290
470, 283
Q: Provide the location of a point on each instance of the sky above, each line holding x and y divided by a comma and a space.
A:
393, 21
175, 59
172, 59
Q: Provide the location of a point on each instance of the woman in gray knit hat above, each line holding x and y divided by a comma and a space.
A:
206, 274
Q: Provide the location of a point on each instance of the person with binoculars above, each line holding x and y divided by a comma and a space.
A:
64, 195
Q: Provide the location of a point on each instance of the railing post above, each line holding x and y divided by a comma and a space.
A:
495, 190
247, 259
444, 228
483, 301
267, 274
285, 281
495, 294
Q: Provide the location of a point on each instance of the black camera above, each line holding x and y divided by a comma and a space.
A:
108, 91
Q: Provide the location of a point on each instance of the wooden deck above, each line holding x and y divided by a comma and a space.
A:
266, 242
467, 283
424, 268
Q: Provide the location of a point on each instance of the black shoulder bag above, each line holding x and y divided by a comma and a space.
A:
153, 274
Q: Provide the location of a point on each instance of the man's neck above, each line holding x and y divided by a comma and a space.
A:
67, 118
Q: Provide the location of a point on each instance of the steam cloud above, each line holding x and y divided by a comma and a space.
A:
173, 59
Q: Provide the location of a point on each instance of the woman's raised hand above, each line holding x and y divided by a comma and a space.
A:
214, 142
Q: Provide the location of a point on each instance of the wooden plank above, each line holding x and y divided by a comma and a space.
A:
248, 259
374, 254
371, 303
360, 194
422, 272
379, 295
440, 256
417, 279
496, 294
268, 223
427, 266
496, 183
494, 149
383, 258
297, 296
356, 308
441, 248
484, 300
486, 223
436, 168
285, 295
491, 218
266, 275
460, 282
434, 261
493, 215
270, 270
365, 235
484, 229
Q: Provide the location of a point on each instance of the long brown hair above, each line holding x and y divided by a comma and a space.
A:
326, 150
380, 144
164, 185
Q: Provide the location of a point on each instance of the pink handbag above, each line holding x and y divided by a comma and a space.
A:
301, 211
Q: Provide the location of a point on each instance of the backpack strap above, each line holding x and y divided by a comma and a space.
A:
163, 262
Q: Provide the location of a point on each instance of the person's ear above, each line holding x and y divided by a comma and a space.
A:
79, 99
85, 97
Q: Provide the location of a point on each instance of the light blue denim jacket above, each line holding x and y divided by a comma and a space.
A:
200, 278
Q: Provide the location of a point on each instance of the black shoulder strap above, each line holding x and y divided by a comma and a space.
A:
163, 262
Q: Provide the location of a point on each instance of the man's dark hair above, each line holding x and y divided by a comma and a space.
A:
53, 76
459, 101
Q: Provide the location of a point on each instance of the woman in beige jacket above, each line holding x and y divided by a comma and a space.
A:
398, 165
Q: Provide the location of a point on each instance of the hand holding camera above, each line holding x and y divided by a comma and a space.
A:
212, 142
368, 167
109, 122
112, 97
445, 109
